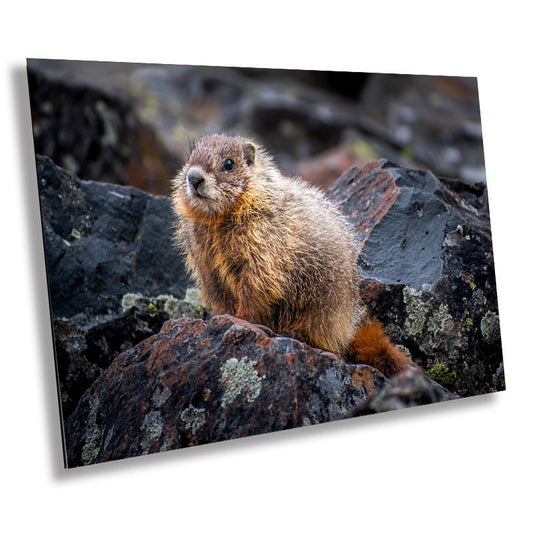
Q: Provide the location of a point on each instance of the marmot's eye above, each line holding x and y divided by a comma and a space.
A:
229, 164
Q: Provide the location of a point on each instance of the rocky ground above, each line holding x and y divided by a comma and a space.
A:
134, 378
142, 366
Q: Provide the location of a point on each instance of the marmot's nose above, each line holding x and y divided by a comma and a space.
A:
195, 177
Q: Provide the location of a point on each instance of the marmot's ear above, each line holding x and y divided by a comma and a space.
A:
249, 153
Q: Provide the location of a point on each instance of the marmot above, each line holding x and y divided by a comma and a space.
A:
273, 250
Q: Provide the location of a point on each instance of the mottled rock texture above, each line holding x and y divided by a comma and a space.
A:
198, 382
86, 346
428, 269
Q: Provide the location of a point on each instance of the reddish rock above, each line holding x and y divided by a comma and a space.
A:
198, 382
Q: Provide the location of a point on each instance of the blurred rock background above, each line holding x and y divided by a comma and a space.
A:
133, 123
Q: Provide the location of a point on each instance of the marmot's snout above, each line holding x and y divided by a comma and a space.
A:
196, 181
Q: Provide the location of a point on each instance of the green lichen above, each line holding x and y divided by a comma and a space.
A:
171, 305
93, 440
194, 418
240, 377
193, 296
417, 311
472, 285
364, 150
109, 120
469, 321
440, 325
153, 309
69, 162
191, 306
160, 396
405, 350
93, 434
378, 404
408, 153
490, 327
130, 300
152, 427
440, 373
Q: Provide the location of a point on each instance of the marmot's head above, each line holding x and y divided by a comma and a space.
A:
217, 174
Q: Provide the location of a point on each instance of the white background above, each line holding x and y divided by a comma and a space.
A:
463, 466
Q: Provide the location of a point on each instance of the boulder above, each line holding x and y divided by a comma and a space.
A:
103, 241
199, 381
428, 270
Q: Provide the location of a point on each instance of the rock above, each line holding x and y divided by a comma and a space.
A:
428, 270
198, 382
324, 169
410, 388
106, 245
85, 346
103, 241
96, 135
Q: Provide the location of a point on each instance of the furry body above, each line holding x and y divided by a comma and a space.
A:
271, 249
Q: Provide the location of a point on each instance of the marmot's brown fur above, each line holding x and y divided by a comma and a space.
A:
273, 250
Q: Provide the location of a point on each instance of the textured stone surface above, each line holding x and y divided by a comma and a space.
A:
86, 346
198, 382
408, 389
102, 241
428, 270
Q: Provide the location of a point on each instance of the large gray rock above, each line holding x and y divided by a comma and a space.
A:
428, 270
103, 241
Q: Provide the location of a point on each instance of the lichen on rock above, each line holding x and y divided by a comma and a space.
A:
193, 417
240, 376
152, 426
490, 327
417, 311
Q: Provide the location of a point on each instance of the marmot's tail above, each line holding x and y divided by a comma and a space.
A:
370, 346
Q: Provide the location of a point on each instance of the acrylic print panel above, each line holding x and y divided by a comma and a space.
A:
143, 365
